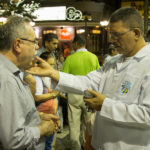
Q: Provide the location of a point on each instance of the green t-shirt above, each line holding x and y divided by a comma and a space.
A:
81, 63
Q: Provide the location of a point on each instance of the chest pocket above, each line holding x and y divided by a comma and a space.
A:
123, 87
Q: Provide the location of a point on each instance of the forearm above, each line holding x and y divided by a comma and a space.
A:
31, 82
54, 74
44, 97
69, 83
126, 114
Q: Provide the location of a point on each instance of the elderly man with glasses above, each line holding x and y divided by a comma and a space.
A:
120, 88
20, 125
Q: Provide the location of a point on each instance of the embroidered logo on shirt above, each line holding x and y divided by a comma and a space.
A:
125, 87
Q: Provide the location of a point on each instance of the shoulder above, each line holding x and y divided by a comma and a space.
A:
91, 54
70, 57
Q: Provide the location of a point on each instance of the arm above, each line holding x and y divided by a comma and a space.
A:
32, 83
67, 82
39, 96
45, 97
77, 84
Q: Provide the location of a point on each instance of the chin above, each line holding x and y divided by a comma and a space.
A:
27, 66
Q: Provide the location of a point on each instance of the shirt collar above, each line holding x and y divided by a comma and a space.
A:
145, 51
81, 50
9, 65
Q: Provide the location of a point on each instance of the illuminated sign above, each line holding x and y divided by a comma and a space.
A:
50, 13
73, 15
65, 34
96, 31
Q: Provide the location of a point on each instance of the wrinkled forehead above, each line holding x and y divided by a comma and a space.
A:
117, 26
29, 31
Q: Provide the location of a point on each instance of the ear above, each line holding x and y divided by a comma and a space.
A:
137, 32
17, 45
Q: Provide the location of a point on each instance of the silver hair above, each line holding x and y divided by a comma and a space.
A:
130, 17
13, 28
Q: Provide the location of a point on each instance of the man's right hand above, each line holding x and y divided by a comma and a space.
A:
42, 68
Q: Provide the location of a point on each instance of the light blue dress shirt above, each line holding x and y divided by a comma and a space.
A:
18, 115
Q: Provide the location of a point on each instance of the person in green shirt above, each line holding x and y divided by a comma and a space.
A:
80, 63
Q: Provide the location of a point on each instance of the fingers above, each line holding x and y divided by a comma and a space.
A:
88, 101
54, 117
49, 117
39, 60
92, 92
32, 71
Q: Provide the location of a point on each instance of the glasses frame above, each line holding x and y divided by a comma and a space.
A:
34, 42
117, 35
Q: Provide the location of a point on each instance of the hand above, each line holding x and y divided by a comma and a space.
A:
96, 102
55, 93
58, 123
48, 117
40, 68
47, 128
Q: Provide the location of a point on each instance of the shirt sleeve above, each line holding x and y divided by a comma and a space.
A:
77, 84
130, 114
18, 122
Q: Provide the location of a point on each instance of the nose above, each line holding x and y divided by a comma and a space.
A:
113, 39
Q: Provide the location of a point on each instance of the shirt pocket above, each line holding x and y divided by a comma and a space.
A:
129, 88
123, 87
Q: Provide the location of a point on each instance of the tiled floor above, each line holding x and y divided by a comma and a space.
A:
62, 140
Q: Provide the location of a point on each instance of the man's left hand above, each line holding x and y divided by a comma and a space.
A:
96, 102
48, 117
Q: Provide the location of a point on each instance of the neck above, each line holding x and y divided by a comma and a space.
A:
9, 55
80, 47
139, 45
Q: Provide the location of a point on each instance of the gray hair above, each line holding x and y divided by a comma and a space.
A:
130, 18
13, 28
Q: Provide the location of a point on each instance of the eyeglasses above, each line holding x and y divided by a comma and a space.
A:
34, 42
116, 35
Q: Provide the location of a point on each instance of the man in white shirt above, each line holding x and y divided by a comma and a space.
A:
120, 88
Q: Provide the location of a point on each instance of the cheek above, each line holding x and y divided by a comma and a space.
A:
126, 43
31, 53
130, 44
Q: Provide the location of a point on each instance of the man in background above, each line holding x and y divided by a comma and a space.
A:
50, 44
80, 63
